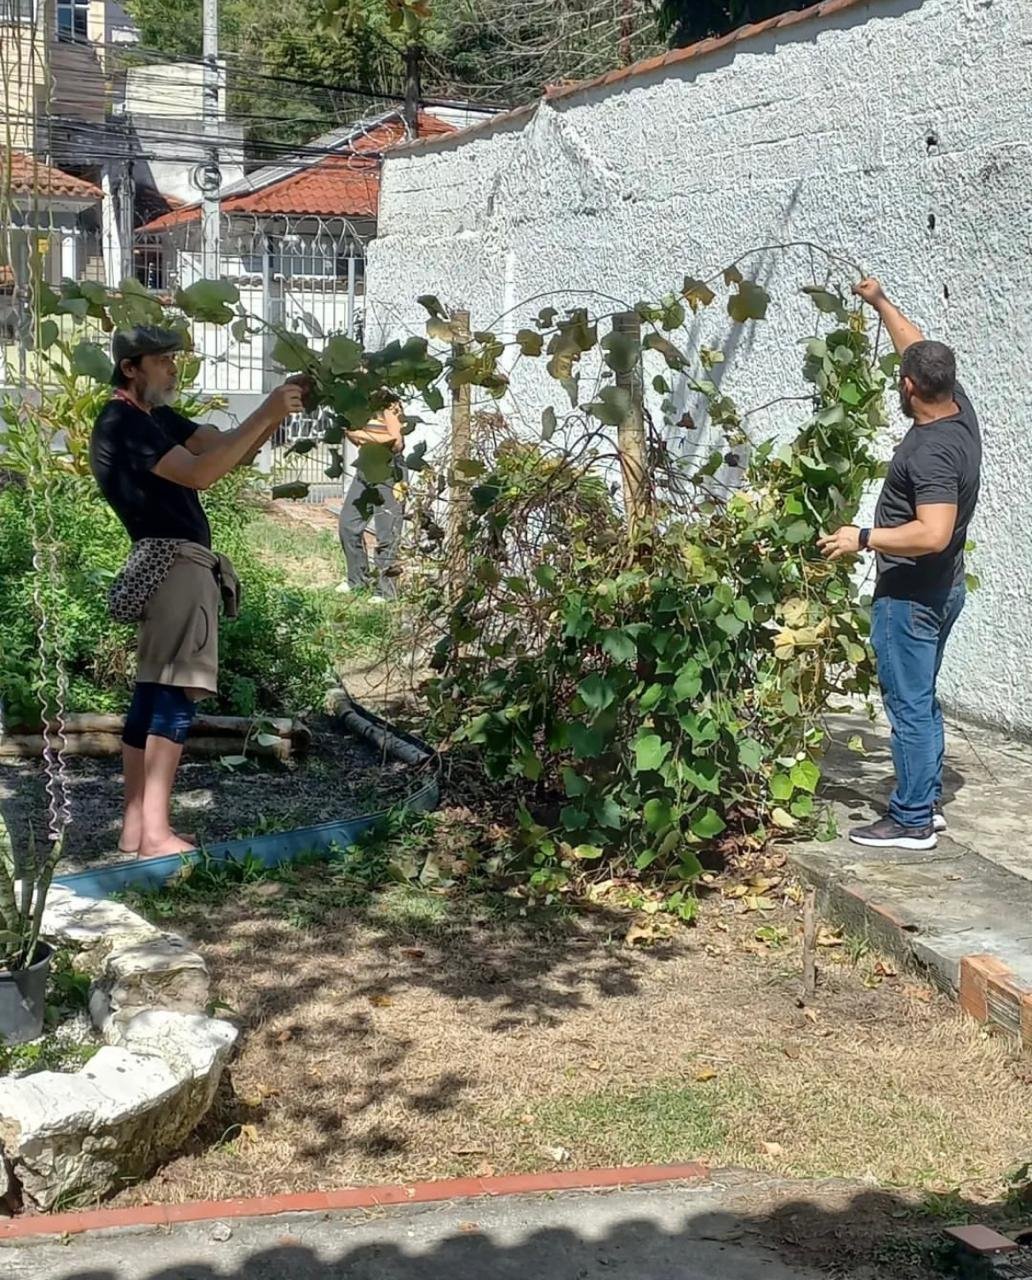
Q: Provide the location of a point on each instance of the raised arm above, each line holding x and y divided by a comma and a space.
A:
903, 332
230, 448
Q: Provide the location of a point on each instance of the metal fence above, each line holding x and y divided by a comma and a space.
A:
304, 274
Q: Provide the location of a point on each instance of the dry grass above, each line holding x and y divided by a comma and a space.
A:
412, 1035
300, 539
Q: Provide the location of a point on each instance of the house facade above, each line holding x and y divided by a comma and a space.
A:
293, 238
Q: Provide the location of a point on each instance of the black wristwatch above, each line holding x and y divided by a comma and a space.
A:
865, 538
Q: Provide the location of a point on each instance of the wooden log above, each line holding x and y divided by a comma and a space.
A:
25, 746
206, 726
96, 745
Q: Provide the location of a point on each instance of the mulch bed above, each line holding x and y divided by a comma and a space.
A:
339, 777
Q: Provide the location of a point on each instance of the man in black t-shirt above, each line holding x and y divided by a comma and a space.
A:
920, 529
150, 462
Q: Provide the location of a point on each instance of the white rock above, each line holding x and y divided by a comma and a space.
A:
81, 1134
96, 926
157, 973
194, 1046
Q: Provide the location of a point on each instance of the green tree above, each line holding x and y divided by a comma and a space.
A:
683, 22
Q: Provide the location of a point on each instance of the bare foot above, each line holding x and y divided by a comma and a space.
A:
131, 851
129, 842
166, 848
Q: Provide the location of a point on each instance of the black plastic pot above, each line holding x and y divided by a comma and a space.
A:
23, 998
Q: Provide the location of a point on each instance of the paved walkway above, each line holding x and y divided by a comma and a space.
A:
670, 1233
963, 911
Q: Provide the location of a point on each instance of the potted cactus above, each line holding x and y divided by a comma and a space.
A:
24, 958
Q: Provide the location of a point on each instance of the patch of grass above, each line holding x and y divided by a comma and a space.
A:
311, 559
950, 1206
406, 908
661, 1122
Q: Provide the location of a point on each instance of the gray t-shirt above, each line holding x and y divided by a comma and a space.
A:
937, 462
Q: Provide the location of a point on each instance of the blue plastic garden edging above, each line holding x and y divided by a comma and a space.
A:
278, 846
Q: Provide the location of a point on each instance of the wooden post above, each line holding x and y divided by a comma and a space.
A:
631, 437
810, 945
461, 443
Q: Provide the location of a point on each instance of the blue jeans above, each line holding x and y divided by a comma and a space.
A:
909, 639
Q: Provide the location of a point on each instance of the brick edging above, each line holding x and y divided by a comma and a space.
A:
989, 992
985, 987
372, 1197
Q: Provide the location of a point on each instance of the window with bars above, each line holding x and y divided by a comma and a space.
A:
73, 19
17, 10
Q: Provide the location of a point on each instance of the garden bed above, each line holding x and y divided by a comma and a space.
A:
339, 777
418, 1032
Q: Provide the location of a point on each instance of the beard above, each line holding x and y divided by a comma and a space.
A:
160, 397
906, 403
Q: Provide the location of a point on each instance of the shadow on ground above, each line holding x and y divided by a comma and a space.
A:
664, 1234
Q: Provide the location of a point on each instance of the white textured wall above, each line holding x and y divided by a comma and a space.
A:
854, 131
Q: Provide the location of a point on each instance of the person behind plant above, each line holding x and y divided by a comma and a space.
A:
150, 463
920, 529
387, 428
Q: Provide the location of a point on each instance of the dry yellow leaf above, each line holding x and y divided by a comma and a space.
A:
829, 937
707, 1073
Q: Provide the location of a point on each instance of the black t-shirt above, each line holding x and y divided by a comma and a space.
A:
125, 447
938, 462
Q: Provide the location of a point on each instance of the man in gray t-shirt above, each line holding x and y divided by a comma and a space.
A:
920, 529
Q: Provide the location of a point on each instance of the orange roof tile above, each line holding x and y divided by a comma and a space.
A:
30, 177
676, 56
345, 185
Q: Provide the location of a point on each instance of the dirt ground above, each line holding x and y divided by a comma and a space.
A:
410, 1034
338, 777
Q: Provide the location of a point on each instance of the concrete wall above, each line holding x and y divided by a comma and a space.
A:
894, 131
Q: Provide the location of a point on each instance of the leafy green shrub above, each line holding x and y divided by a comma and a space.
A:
663, 691
278, 655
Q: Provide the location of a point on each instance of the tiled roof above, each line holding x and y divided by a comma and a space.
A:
675, 57
30, 177
346, 185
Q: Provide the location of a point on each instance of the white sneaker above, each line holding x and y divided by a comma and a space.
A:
939, 822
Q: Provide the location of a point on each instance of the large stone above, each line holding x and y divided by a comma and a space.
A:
76, 1136
94, 926
80, 1135
160, 972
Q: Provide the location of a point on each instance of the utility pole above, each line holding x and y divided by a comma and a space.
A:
212, 174
413, 88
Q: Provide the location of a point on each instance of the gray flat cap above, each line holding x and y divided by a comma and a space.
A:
144, 340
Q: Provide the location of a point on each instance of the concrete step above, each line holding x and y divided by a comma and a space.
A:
961, 913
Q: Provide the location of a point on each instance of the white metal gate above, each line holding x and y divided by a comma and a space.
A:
305, 274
